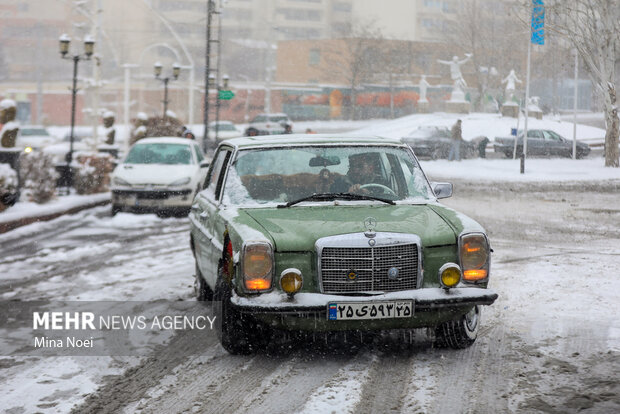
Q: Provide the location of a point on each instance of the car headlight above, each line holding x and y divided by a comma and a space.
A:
475, 258
257, 266
120, 181
182, 181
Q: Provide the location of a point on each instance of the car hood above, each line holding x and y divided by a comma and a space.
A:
297, 228
157, 174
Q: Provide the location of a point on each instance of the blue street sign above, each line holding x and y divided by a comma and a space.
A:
538, 22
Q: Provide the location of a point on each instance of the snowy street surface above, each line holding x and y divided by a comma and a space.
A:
550, 343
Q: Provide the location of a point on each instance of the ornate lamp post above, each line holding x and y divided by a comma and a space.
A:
89, 47
176, 70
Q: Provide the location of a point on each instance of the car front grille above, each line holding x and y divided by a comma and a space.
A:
366, 269
151, 195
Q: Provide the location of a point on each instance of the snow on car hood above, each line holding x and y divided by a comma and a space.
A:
157, 174
297, 228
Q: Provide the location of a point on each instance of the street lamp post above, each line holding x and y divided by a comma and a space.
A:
176, 70
89, 47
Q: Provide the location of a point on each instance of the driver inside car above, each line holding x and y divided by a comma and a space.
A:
363, 170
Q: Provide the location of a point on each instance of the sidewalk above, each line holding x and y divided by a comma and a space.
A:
23, 213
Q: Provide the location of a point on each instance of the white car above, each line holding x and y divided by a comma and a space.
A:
225, 130
34, 138
271, 124
160, 175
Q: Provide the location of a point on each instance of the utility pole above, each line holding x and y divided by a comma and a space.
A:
205, 135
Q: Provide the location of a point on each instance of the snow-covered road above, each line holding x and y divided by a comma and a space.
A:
551, 342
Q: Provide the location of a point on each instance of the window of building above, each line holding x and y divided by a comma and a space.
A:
300, 14
341, 6
314, 57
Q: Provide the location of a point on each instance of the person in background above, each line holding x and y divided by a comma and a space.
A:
310, 131
251, 132
457, 136
187, 133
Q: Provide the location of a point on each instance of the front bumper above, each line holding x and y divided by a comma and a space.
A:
309, 311
428, 298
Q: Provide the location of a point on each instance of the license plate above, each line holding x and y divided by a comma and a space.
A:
369, 310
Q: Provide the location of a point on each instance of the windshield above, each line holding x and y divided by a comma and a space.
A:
223, 127
159, 154
282, 175
33, 131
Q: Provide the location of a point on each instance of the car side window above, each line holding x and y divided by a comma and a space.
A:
534, 134
551, 136
198, 153
216, 172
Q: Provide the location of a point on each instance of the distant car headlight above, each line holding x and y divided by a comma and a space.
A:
257, 266
475, 258
28, 150
182, 181
120, 181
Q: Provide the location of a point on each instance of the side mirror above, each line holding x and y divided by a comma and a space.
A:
204, 164
442, 190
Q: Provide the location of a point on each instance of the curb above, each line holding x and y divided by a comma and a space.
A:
11, 225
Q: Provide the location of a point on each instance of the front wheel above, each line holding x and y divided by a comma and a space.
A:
238, 333
461, 333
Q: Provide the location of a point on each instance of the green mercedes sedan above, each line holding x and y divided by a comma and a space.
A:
325, 233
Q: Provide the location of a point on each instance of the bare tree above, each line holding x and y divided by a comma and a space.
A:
592, 27
353, 58
395, 63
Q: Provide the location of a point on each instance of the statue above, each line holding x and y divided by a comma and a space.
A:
423, 85
510, 84
455, 70
8, 126
139, 130
108, 123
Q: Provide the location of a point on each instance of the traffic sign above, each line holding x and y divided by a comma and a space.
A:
226, 95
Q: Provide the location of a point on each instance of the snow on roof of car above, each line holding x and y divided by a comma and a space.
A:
164, 140
309, 139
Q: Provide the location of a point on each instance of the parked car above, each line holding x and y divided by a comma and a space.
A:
159, 175
269, 124
82, 141
279, 245
541, 142
434, 142
32, 137
225, 130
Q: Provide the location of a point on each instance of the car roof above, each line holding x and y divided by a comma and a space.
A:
165, 140
309, 139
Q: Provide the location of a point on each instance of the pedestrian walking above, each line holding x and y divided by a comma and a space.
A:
457, 137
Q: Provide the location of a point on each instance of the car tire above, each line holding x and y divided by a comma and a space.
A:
201, 288
115, 210
238, 333
461, 333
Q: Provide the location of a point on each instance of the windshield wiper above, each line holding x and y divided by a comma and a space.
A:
335, 196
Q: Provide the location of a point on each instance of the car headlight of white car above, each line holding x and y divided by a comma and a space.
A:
120, 181
180, 182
